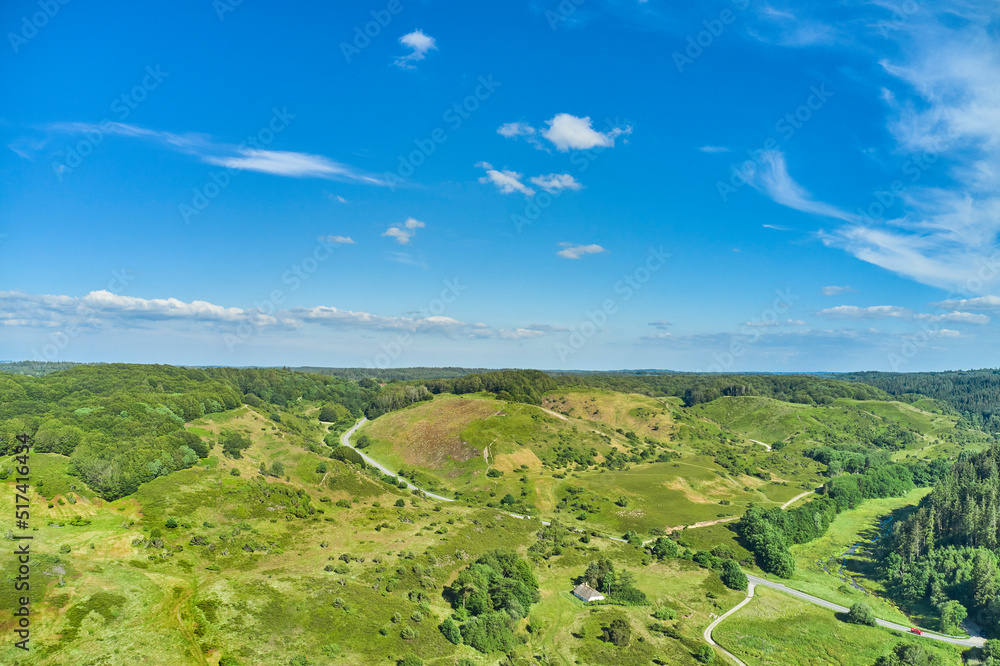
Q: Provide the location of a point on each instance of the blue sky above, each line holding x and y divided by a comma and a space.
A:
591, 184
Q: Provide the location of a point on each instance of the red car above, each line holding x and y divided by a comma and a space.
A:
916, 631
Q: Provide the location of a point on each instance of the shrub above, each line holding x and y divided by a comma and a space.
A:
171, 523
410, 660
400, 502
705, 655
451, 631
155, 533
732, 576
861, 613
409, 634
618, 632
664, 613
64, 548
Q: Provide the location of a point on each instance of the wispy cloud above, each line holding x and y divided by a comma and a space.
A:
571, 251
556, 182
661, 324
507, 181
771, 177
942, 100
341, 240
419, 44
834, 290
102, 309
713, 149
284, 163
403, 233
870, 312
978, 303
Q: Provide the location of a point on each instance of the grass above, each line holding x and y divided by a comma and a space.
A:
777, 629
849, 528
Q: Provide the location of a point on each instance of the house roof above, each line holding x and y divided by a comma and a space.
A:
587, 593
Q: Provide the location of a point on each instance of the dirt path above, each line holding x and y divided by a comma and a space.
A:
704, 523
766, 446
795, 499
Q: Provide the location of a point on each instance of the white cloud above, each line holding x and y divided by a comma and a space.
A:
870, 312
102, 309
713, 149
344, 240
405, 232
977, 303
274, 162
948, 333
834, 290
506, 181
511, 130
556, 182
774, 323
661, 324
284, 163
568, 132
571, 251
956, 317
771, 177
419, 43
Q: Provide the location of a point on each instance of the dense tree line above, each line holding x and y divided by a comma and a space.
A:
698, 388
768, 533
946, 551
973, 393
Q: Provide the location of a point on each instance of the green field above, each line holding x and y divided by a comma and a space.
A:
777, 629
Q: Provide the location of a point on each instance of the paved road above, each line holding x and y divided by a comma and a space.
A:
709, 628
966, 642
345, 439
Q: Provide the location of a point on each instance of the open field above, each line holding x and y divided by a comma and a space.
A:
777, 629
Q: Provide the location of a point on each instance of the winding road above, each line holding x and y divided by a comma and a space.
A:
709, 628
345, 439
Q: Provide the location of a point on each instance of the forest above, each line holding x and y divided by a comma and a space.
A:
973, 393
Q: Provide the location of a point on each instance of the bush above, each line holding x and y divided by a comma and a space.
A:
410, 661
64, 548
732, 576
171, 523
451, 631
861, 613
664, 613
233, 472
617, 633
400, 502
705, 655
155, 533
409, 634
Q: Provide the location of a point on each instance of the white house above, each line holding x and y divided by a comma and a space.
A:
587, 593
